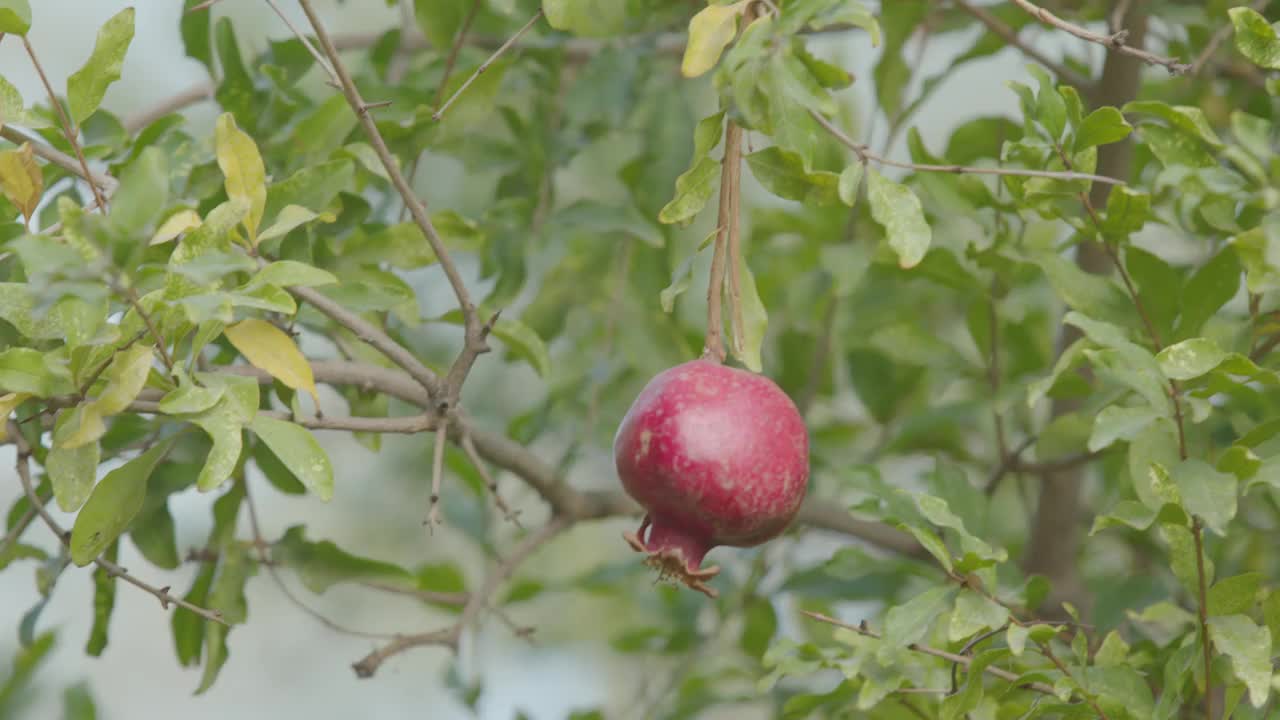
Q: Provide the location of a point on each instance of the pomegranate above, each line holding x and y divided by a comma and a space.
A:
716, 456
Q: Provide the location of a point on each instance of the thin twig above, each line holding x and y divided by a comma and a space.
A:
458, 41
1010, 36
862, 629
1218, 38
865, 154
431, 596
1114, 42
437, 476
451, 636
1053, 658
69, 130
15, 533
469, 447
265, 561
320, 60
485, 65
474, 344
64, 537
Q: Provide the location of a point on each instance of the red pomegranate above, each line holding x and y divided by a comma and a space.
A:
716, 456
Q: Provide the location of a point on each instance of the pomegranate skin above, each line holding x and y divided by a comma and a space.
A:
716, 456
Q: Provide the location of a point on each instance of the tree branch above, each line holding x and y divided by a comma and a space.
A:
475, 330
1009, 35
484, 66
1114, 42
53, 155
865, 154
64, 537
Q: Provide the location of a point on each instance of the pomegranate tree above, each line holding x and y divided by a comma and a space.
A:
716, 456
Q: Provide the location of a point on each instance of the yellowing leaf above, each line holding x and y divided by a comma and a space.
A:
268, 348
178, 223
710, 32
7, 404
21, 179
241, 165
125, 378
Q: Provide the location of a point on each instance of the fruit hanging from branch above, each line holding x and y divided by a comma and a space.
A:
716, 456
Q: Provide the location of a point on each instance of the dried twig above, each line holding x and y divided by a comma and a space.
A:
1114, 42
437, 476
469, 447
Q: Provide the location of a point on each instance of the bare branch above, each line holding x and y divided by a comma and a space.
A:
1114, 42
485, 65
475, 343
64, 537
1009, 35
865, 154
469, 447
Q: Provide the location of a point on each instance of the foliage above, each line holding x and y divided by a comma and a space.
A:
1036, 362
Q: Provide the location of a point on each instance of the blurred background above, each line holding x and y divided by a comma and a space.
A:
285, 663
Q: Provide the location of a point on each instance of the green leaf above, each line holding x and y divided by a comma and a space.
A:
1207, 493
104, 601
1249, 647
87, 86
759, 624
196, 29
1051, 109
681, 278
783, 173
1190, 358
908, 623
188, 628
225, 596
143, 193
1126, 512
72, 471
113, 505
290, 217
755, 320
847, 187
1101, 127
15, 18
1127, 212
710, 32
298, 449
124, 380
523, 342
973, 614
190, 398
1236, 594
898, 210
223, 423
1116, 422
321, 565
1256, 39
440, 20
290, 273
1208, 289
693, 190
588, 18
23, 370
1186, 119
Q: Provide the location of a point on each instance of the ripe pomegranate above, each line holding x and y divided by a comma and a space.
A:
716, 456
